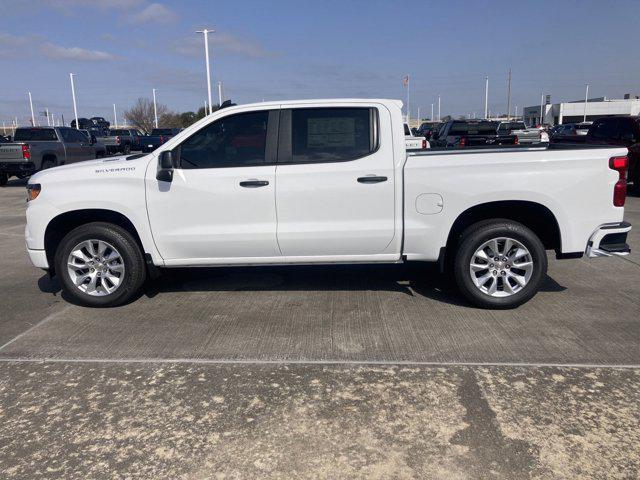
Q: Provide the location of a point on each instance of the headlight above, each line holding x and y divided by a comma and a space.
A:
33, 190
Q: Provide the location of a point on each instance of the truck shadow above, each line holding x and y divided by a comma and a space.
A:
412, 280
416, 279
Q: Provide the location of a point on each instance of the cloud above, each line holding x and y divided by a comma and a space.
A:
38, 46
221, 42
154, 13
9, 43
50, 50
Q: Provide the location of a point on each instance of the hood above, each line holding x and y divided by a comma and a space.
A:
88, 168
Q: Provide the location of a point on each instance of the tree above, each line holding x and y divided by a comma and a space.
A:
141, 114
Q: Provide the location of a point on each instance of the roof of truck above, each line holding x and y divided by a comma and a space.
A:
322, 101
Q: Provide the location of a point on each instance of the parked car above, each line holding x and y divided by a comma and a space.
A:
39, 148
122, 140
101, 150
614, 131
347, 191
101, 123
83, 124
471, 133
524, 134
157, 137
412, 142
426, 130
568, 132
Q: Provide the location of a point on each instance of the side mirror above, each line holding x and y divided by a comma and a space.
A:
165, 167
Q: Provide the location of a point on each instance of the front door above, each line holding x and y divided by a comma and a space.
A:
335, 192
73, 145
220, 206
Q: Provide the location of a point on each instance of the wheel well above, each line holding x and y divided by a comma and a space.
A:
65, 222
49, 156
536, 217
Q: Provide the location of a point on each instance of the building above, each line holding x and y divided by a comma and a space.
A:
571, 112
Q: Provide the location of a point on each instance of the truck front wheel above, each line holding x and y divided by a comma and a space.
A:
499, 264
100, 265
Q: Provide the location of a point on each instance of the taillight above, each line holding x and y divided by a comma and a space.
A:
117, 140
424, 144
619, 164
517, 142
161, 139
26, 154
463, 141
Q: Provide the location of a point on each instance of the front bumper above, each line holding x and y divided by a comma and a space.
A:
608, 240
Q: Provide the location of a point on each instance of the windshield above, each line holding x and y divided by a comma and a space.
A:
35, 135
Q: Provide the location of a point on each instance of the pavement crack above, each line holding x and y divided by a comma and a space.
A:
489, 449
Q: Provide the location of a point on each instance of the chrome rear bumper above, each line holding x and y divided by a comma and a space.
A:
608, 240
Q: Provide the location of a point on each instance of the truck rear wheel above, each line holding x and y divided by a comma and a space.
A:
100, 265
499, 264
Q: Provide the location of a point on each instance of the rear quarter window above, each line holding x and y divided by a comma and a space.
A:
35, 135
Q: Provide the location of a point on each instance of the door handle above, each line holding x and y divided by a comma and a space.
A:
372, 179
254, 183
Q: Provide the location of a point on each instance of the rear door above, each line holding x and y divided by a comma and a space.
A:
335, 187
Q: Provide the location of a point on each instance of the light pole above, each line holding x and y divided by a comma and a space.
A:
431, 118
586, 99
33, 117
486, 96
509, 98
219, 93
206, 59
73, 96
439, 117
155, 109
46, 110
115, 117
541, 106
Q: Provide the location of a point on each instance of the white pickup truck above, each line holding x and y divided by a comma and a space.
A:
317, 182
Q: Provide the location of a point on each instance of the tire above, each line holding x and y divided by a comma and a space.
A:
126, 149
516, 281
131, 275
4, 178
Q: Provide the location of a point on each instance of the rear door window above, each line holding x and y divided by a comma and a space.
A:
35, 135
331, 134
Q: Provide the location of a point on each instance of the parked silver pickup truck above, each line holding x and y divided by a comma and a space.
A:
122, 140
38, 148
524, 134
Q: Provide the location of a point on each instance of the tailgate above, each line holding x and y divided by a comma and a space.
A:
11, 152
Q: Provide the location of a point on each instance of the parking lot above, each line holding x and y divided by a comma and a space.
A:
341, 371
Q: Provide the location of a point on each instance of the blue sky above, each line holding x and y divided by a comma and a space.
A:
282, 49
